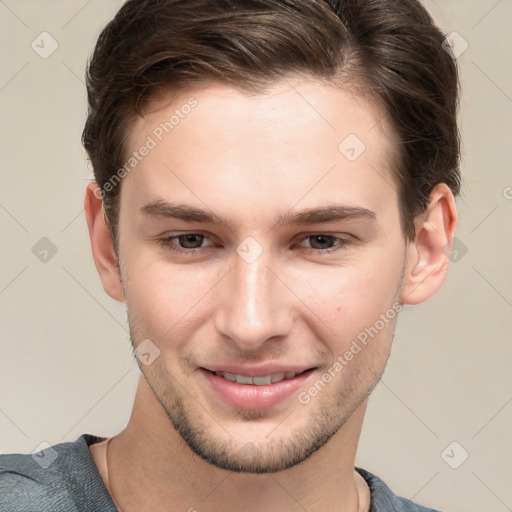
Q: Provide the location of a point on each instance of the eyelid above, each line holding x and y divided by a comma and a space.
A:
168, 237
342, 240
301, 236
341, 237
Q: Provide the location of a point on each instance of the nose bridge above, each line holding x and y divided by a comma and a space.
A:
252, 308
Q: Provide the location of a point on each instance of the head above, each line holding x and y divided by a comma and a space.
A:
310, 150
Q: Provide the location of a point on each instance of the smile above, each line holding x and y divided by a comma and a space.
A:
258, 381
254, 391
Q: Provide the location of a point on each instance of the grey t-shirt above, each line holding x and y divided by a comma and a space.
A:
64, 478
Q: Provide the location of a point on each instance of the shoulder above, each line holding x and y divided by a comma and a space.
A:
53, 478
383, 499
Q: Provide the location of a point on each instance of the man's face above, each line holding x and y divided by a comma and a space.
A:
258, 295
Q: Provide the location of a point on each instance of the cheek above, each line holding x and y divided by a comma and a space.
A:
348, 299
162, 297
167, 301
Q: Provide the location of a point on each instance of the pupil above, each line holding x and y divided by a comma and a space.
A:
323, 240
186, 239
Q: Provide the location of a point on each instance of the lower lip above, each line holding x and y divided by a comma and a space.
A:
251, 396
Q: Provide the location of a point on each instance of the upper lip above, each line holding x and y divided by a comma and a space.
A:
260, 370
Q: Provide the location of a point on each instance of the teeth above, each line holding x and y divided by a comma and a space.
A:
242, 379
258, 381
261, 381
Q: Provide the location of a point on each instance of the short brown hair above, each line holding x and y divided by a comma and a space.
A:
390, 48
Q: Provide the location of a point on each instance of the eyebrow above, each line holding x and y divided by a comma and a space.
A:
323, 214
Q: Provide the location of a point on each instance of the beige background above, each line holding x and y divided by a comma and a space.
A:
65, 361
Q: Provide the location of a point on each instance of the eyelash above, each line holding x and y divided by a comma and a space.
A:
167, 243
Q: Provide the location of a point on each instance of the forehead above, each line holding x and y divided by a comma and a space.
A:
318, 103
299, 140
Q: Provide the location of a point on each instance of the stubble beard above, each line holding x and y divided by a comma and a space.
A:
286, 445
276, 453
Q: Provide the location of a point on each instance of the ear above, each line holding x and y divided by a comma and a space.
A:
428, 255
102, 244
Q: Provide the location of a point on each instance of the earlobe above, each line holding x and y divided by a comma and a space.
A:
428, 255
102, 244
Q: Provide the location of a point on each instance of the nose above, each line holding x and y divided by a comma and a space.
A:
254, 305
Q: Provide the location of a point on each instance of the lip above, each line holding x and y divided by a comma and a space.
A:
256, 370
252, 396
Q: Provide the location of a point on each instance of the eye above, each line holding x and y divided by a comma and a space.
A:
190, 243
183, 243
190, 240
318, 243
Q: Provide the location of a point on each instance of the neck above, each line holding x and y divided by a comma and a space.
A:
150, 467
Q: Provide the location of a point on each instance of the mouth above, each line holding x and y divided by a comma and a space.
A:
264, 380
254, 392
